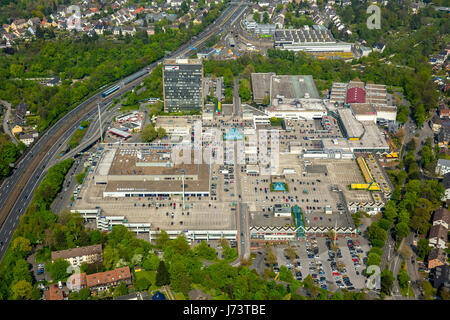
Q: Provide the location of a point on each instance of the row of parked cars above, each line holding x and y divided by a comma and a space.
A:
318, 273
354, 250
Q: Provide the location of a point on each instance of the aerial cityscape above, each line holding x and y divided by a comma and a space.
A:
224, 150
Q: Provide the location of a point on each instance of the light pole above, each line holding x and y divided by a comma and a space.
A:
100, 120
182, 171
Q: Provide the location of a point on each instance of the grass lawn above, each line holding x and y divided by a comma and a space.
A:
133, 107
150, 275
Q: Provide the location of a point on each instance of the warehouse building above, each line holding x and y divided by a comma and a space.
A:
315, 39
149, 171
183, 85
281, 88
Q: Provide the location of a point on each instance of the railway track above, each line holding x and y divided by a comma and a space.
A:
76, 115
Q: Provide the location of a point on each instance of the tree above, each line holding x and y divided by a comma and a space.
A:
151, 262
120, 290
444, 293
309, 284
22, 290
266, 17
244, 91
428, 291
184, 7
405, 251
204, 251
423, 248
403, 279
22, 246
21, 271
387, 281
257, 17
373, 259
162, 275
143, 284
290, 252
58, 269
385, 224
401, 230
110, 257
377, 235
229, 253
162, 239
271, 258
148, 134
161, 132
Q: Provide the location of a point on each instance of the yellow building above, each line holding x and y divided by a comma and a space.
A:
17, 129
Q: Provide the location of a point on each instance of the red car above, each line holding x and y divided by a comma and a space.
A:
336, 274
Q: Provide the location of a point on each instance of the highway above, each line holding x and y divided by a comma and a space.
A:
17, 189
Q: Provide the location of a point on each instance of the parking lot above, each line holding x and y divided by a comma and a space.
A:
330, 270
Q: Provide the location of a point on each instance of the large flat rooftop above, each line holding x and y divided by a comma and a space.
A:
294, 87
354, 128
314, 34
183, 61
261, 85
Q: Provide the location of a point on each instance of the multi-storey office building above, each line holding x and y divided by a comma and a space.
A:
183, 85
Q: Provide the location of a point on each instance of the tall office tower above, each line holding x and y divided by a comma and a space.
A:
183, 85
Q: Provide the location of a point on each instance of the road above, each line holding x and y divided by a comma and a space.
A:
17, 190
242, 208
6, 121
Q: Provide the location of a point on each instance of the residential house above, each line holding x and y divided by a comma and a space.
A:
437, 237
19, 24
444, 135
197, 294
34, 22
436, 257
442, 166
21, 112
444, 112
104, 280
446, 183
77, 256
378, 47
16, 129
128, 30
9, 38
76, 282
53, 293
99, 29
26, 138
130, 296
441, 277
150, 30
436, 123
442, 215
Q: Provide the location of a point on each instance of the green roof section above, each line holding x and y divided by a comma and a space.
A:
233, 134
298, 219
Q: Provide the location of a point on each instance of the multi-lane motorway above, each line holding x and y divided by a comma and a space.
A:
17, 190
